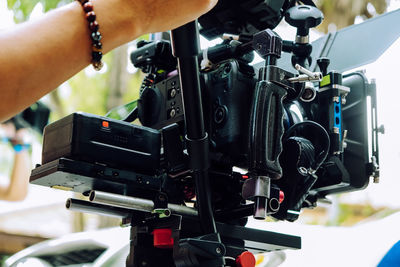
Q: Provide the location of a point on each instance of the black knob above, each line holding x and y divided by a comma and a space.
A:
267, 43
323, 64
304, 17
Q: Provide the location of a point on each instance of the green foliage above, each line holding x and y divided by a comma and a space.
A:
132, 91
351, 214
23, 8
88, 93
3, 259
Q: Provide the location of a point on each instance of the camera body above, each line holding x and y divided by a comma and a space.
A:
227, 91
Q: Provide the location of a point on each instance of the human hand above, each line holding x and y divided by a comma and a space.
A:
161, 15
21, 136
14, 136
7, 130
60, 42
123, 20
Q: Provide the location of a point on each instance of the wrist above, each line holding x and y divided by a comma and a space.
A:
119, 22
21, 141
19, 148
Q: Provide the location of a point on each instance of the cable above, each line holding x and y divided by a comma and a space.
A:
321, 157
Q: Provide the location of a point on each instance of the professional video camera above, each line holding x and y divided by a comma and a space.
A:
222, 143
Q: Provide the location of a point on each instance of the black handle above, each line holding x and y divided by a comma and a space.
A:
266, 130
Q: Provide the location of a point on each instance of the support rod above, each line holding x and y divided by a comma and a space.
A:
100, 209
185, 46
135, 203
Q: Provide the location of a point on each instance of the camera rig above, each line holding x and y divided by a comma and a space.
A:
220, 143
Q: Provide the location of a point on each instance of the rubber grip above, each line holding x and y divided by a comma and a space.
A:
266, 130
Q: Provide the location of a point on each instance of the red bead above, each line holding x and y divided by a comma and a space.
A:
91, 16
88, 6
94, 26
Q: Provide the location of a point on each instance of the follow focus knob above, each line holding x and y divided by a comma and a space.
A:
304, 17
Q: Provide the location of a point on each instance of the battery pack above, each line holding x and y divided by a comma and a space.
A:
97, 139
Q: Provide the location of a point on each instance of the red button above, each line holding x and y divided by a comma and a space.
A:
105, 124
246, 259
281, 196
162, 238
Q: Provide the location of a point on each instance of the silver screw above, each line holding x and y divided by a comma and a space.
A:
303, 170
336, 130
172, 113
172, 93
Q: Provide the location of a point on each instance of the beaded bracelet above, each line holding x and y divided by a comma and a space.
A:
95, 35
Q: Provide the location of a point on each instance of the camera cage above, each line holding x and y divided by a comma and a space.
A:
292, 158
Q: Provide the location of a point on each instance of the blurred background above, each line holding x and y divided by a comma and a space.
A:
41, 214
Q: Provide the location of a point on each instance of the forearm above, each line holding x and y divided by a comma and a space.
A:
31, 67
19, 181
36, 57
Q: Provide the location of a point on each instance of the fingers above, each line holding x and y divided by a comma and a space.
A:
8, 130
21, 134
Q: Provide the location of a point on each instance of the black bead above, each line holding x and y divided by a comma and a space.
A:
97, 47
96, 37
97, 56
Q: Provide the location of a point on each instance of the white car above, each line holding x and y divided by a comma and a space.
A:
108, 247
363, 244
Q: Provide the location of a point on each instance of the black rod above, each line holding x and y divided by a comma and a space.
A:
186, 47
188, 66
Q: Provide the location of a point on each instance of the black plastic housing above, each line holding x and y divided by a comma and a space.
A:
227, 96
242, 17
99, 139
82, 177
227, 93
